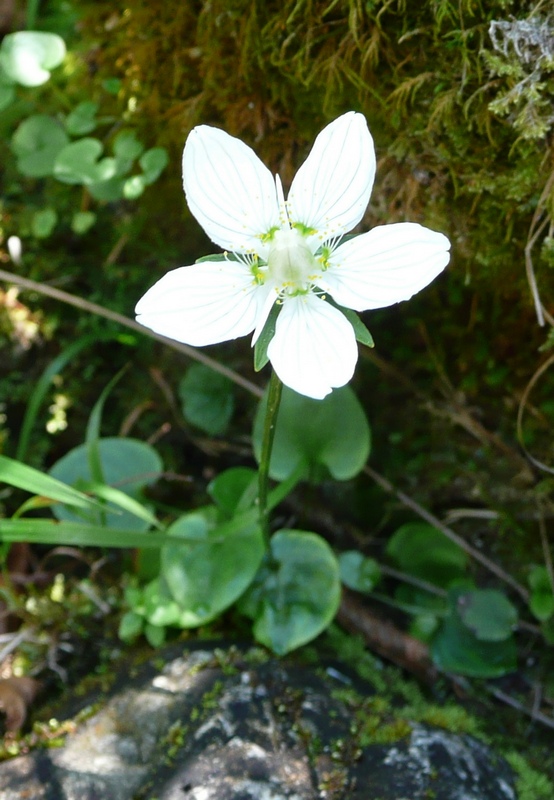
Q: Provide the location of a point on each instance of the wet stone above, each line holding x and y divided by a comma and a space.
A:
253, 731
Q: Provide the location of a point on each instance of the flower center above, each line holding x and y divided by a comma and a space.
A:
291, 263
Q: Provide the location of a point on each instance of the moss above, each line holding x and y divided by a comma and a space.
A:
531, 785
273, 73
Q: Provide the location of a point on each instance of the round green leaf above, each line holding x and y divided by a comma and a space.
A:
234, 490
488, 614
109, 191
207, 399
44, 222
126, 146
36, 143
82, 119
130, 626
127, 464
28, 56
208, 568
456, 649
133, 187
296, 594
541, 601
155, 635
153, 163
82, 221
160, 607
358, 572
78, 163
327, 436
424, 626
424, 552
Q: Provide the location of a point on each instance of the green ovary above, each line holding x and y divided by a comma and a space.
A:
291, 263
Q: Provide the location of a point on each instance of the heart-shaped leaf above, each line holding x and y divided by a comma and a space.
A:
488, 614
424, 552
296, 593
28, 56
456, 649
327, 436
82, 119
127, 464
36, 143
79, 163
358, 572
153, 163
207, 399
541, 601
209, 567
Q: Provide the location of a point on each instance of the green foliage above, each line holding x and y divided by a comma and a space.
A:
208, 567
488, 614
461, 123
26, 57
127, 465
296, 593
357, 572
36, 143
80, 163
470, 631
207, 399
43, 148
541, 601
322, 436
234, 490
423, 551
82, 119
531, 785
14, 473
455, 648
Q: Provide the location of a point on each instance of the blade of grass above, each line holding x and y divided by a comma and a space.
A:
123, 501
46, 531
32, 480
93, 431
106, 313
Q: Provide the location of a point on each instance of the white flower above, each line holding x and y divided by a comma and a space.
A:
290, 252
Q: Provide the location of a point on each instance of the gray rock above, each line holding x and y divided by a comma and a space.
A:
253, 731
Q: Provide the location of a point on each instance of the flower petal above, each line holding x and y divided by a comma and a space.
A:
384, 266
314, 348
228, 189
203, 304
331, 190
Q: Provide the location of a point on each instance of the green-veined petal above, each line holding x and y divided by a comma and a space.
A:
388, 264
228, 189
331, 190
203, 304
314, 349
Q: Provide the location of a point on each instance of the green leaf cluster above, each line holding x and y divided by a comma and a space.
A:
216, 556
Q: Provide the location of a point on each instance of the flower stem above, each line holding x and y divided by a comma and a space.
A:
273, 400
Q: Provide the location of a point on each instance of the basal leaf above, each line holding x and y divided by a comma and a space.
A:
327, 436
296, 594
208, 567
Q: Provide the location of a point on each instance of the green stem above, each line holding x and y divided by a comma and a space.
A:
273, 400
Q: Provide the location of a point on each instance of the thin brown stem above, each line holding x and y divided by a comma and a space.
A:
448, 532
93, 308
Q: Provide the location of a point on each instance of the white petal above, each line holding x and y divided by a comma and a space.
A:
386, 265
331, 190
314, 349
228, 189
203, 304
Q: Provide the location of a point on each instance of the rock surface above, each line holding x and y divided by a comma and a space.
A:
201, 729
